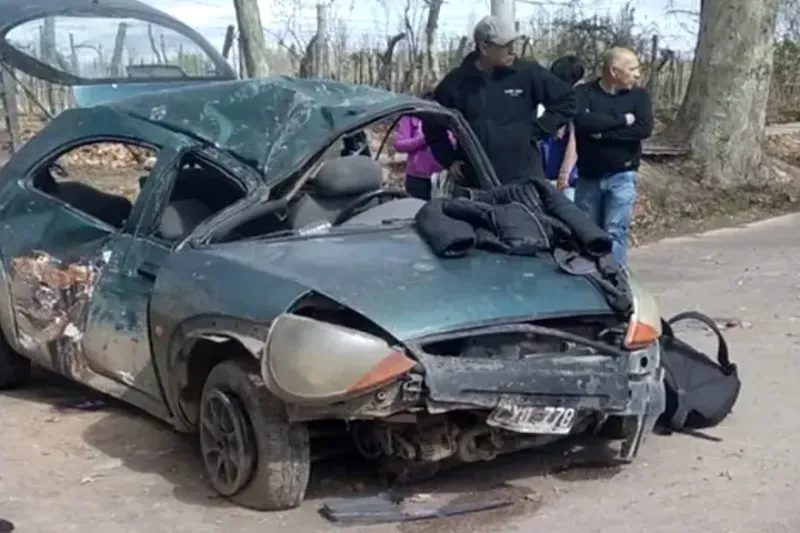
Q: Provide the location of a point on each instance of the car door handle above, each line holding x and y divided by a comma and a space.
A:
148, 270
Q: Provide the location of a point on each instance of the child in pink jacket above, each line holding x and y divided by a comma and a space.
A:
410, 140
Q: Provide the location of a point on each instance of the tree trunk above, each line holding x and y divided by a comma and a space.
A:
230, 35
48, 47
11, 108
308, 61
384, 74
723, 115
322, 44
431, 50
160, 60
504, 9
254, 48
119, 47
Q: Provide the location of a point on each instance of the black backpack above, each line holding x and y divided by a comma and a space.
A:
700, 392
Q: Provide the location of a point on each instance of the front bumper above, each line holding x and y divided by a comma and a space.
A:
647, 397
614, 383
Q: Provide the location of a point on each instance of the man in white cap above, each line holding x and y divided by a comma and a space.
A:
499, 95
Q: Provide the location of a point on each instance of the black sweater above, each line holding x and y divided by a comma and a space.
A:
605, 142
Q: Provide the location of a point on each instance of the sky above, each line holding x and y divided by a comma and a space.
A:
379, 17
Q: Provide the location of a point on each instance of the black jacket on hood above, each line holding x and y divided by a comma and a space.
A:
501, 108
526, 219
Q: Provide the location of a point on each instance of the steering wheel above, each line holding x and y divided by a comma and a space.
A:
360, 202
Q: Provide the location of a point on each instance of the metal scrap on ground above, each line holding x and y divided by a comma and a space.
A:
387, 508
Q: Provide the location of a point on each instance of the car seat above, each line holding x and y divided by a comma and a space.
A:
110, 208
337, 183
180, 218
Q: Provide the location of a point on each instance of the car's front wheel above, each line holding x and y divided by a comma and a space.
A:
252, 454
14, 369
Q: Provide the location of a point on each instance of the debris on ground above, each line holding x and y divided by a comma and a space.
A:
81, 404
389, 508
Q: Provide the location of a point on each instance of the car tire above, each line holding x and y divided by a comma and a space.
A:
273, 454
15, 370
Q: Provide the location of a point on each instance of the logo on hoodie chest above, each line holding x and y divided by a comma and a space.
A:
513, 92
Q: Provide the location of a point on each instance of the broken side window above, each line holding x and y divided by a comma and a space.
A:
101, 179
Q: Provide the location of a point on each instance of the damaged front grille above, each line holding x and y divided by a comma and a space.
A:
519, 342
511, 346
576, 364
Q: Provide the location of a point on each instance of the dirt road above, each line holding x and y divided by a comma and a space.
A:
115, 470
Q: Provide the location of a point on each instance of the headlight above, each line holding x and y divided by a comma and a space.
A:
644, 327
308, 361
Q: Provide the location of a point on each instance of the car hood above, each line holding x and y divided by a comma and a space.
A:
392, 278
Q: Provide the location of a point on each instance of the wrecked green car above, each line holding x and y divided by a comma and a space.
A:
251, 297
261, 291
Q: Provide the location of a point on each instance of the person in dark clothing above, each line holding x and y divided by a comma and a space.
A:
559, 151
614, 116
568, 69
498, 95
356, 144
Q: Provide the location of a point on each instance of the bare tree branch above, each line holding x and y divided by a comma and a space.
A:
385, 71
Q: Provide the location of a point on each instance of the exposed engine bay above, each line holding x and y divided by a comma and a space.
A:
488, 391
413, 451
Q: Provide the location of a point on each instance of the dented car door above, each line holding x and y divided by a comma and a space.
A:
50, 286
116, 342
52, 253
66, 275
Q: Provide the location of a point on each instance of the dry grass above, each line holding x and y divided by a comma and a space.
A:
672, 201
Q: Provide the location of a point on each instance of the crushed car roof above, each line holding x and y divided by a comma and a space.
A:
273, 123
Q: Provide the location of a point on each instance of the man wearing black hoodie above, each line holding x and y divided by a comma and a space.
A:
498, 95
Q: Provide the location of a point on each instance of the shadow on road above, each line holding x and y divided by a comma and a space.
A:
58, 392
146, 445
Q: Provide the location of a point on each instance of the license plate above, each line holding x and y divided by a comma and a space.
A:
541, 420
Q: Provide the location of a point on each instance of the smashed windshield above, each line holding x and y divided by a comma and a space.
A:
274, 123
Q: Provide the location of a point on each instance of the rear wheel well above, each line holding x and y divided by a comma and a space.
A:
203, 356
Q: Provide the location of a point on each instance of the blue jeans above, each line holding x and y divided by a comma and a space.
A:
609, 200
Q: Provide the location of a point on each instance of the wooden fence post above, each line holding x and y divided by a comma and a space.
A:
10, 108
